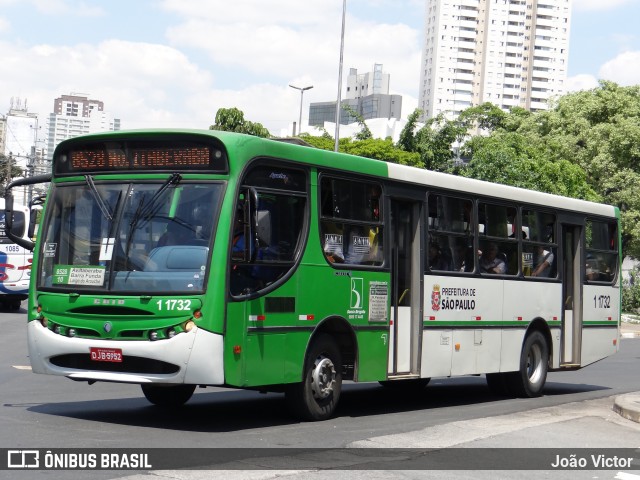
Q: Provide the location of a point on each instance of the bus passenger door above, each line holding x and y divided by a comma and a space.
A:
571, 331
406, 289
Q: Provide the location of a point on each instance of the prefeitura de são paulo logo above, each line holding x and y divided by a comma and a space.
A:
435, 298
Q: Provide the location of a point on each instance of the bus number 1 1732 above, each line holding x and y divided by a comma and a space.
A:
173, 304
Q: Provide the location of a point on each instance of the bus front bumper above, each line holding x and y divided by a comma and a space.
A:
196, 357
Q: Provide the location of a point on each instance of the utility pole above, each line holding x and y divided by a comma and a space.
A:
344, 10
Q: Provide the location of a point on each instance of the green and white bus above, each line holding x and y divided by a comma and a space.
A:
176, 259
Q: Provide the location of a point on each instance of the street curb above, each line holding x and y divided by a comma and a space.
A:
628, 406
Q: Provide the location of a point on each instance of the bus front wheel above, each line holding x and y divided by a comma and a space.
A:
534, 365
167, 395
316, 397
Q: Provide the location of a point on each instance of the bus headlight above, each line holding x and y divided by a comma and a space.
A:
190, 325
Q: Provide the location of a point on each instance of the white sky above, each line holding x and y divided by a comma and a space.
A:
173, 63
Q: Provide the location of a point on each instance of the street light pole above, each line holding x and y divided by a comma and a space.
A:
302, 89
344, 10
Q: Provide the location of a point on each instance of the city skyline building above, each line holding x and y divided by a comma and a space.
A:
76, 114
366, 94
512, 53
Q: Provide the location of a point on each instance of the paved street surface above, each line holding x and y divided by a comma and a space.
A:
364, 441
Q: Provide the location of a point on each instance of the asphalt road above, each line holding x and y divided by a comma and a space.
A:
46, 412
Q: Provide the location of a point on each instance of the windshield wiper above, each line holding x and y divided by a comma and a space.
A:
149, 210
104, 208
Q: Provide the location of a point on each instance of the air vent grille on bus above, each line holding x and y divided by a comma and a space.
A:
109, 310
82, 361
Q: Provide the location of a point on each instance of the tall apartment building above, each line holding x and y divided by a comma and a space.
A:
367, 94
75, 115
512, 53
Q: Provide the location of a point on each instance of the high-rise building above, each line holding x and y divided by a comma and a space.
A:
75, 115
367, 94
512, 53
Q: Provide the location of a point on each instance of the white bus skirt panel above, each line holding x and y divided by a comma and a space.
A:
198, 354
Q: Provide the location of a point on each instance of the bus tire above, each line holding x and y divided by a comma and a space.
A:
316, 397
167, 395
15, 305
529, 381
413, 385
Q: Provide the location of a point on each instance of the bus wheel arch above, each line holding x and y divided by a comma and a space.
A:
343, 335
316, 396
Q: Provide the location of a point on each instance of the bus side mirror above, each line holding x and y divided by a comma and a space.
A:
8, 208
8, 224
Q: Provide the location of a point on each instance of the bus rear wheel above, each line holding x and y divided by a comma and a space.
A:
316, 397
167, 395
534, 365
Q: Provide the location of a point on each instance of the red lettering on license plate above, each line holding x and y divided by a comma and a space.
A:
106, 354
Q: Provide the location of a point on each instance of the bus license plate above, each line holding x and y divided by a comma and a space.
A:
106, 354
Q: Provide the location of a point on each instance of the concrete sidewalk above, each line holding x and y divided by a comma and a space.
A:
628, 405
630, 327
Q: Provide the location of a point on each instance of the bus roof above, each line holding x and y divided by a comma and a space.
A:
255, 146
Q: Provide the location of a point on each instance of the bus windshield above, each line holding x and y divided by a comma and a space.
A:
138, 237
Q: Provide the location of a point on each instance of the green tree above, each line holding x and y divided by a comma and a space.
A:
364, 133
407, 140
232, 120
375, 148
433, 142
511, 159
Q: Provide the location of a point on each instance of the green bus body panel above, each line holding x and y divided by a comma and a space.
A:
273, 344
256, 352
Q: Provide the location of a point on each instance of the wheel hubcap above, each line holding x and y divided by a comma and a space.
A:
534, 363
323, 377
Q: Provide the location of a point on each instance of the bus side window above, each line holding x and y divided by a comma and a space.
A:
351, 222
539, 251
268, 228
449, 224
601, 251
500, 235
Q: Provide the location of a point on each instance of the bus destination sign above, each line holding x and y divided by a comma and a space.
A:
142, 158
175, 154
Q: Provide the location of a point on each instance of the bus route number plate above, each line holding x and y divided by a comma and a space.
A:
106, 354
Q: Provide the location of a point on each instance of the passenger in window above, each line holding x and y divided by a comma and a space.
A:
437, 260
592, 273
542, 260
491, 261
374, 202
463, 258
